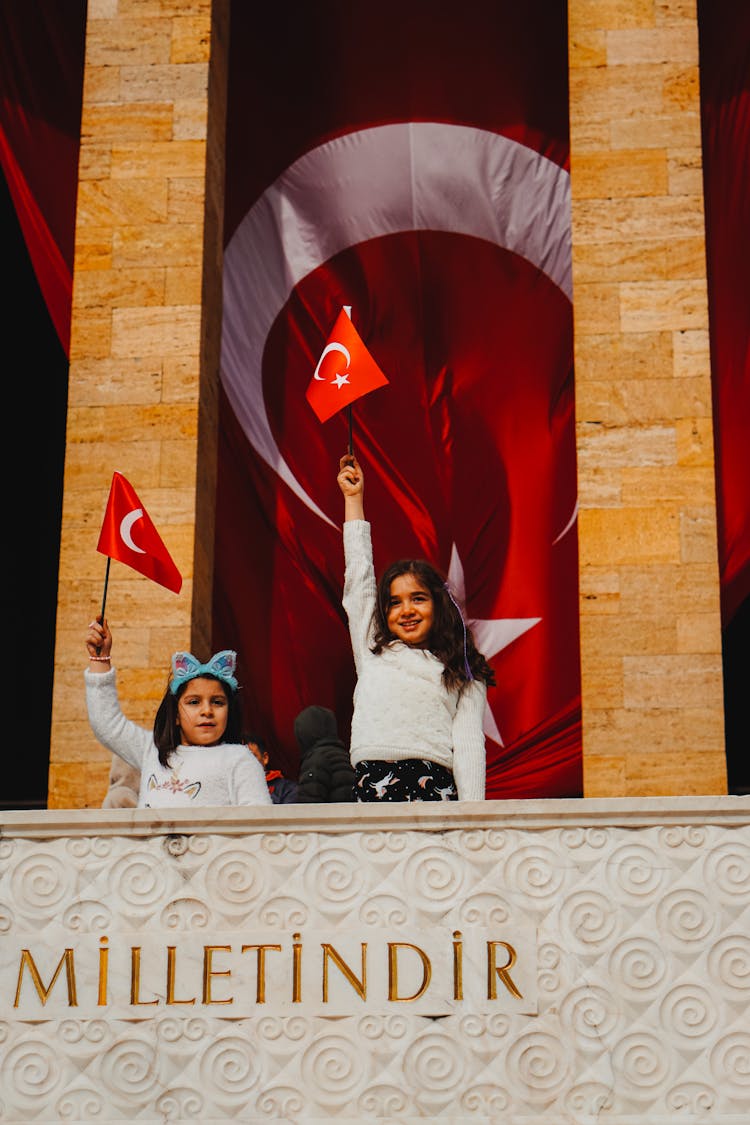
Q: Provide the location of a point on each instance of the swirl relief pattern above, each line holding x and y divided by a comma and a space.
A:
641, 965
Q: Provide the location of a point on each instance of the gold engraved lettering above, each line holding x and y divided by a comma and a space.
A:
135, 977
494, 971
171, 950
393, 947
103, 966
209, 972
296, 969
42, 992
260, 984
360, 986
458, 966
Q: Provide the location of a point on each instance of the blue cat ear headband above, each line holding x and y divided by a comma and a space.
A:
185, 667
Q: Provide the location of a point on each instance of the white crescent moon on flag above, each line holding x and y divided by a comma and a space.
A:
393, 178
334, 347
126, 526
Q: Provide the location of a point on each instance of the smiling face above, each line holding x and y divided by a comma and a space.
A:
202, 712
410, 611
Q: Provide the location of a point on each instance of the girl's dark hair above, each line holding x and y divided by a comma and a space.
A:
446, 639
167, 732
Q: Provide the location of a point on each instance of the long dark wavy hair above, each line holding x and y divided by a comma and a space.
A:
446, 639
167, 731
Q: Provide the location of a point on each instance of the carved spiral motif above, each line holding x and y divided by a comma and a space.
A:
691, 1097
730, 1063
237, 876
180, 1103
434, 875
685, 915
383, 910
535, 870
434, 1063
638, 964
727, 868
537, 1066
578, 837
230, 1065
334, 876
634, 870
377, 1027
677, 835
589, 1099
485, 1099
176, 845
284, 912
80, 1105
171, 1029
296, 843
281, 1102
84, 1031
639, 1059
129, 1067
271, 1029
587, 918
140, 879
395, 843
31, 1069
6, 918
482, 840
41, 881
334, 1065
590, 1013
484, 909
87, 917
688, 1010
382, 1101
729, 961
549, 960
185, 914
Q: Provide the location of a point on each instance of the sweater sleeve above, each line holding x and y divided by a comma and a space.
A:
360, 588
248, 780
469, 751
123, 737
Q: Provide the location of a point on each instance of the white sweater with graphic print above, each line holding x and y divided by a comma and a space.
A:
401, 707
227, 774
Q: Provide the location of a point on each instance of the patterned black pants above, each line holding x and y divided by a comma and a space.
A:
412, 779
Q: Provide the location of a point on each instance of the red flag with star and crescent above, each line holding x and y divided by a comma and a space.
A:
345, 371
440, 212
129, 536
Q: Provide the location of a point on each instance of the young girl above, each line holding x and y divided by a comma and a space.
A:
421, 683
194, 755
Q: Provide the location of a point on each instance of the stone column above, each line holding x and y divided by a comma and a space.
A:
144, 355
649, 581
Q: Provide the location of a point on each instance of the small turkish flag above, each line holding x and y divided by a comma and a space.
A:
345, 371
117, 538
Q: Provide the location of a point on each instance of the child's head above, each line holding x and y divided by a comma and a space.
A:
257, 747
414, 606
200, 706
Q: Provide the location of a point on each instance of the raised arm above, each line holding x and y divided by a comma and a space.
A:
99, 645
352, 484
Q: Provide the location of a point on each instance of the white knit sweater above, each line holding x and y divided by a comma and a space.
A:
227, 774
401, 707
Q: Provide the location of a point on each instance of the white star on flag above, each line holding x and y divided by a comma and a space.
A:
490, 636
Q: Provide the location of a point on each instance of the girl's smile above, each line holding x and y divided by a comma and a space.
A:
410, 611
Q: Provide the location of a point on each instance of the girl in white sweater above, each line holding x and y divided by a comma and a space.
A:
421, 683
194, 755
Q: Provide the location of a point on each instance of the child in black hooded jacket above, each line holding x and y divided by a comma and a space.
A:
325, 772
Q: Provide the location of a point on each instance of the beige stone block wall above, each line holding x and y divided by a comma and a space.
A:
144, 350
649, 583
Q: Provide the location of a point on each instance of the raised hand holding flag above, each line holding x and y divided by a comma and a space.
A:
345, 370
143, 550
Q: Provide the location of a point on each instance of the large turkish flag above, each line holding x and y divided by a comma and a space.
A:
412, 164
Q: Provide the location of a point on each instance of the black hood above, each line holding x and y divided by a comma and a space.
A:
315, 724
